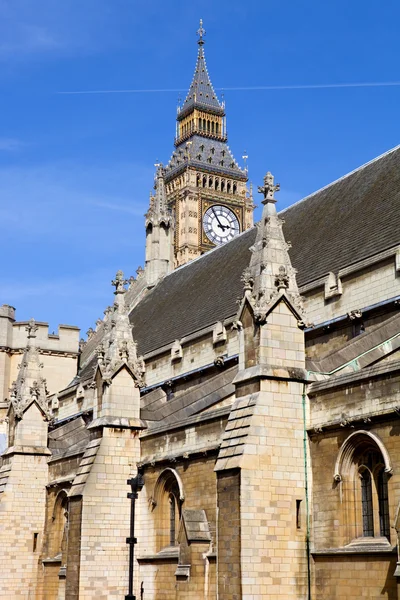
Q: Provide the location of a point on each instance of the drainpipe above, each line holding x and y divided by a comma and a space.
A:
305, 440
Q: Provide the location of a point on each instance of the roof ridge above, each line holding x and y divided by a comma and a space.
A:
360, 168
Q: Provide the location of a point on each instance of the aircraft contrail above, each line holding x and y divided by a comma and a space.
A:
243, 89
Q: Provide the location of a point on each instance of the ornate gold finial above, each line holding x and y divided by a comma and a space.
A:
201, 32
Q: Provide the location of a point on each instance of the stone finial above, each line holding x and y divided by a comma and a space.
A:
31, 328
269, 188
119, 283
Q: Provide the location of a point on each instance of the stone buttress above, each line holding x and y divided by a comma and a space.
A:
24, 475
260, 467
97, 565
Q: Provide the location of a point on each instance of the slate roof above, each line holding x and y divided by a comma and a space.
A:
206, 154
351, 219
194, 296
201, 93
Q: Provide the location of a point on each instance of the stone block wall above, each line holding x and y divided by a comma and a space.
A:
22, 518
105, 517
229, 535
158, 574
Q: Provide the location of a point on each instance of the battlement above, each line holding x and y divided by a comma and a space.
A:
7, 311
66, 339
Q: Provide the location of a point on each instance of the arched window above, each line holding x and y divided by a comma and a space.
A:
234, 188
216, 128
210, 182
212, 126
204, 181
228, 187
167, 500
362, 470
222, 185
216, 183
58, 537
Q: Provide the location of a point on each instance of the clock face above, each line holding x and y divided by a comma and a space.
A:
220, 224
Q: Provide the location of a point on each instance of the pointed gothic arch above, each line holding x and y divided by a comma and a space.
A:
349, 447
362, 470
168, 497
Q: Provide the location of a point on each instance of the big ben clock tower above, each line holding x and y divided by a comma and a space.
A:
204, 185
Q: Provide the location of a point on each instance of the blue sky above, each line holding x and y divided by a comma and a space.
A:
76, 170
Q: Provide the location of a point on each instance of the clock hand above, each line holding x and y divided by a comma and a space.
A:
223, 227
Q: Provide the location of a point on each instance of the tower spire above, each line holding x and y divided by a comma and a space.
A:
201, 94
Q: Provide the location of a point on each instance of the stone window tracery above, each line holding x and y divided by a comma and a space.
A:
362, 470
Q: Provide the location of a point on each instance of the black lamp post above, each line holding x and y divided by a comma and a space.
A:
136, 484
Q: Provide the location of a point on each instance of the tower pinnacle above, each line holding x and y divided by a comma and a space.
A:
201, 33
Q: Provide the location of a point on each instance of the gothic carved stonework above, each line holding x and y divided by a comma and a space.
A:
159, 212
176, 351
282, 279
269, 188
30, 386
270, 274
247, 280
118, 347
354, 315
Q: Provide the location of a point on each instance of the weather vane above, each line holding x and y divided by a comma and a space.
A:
201, 32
